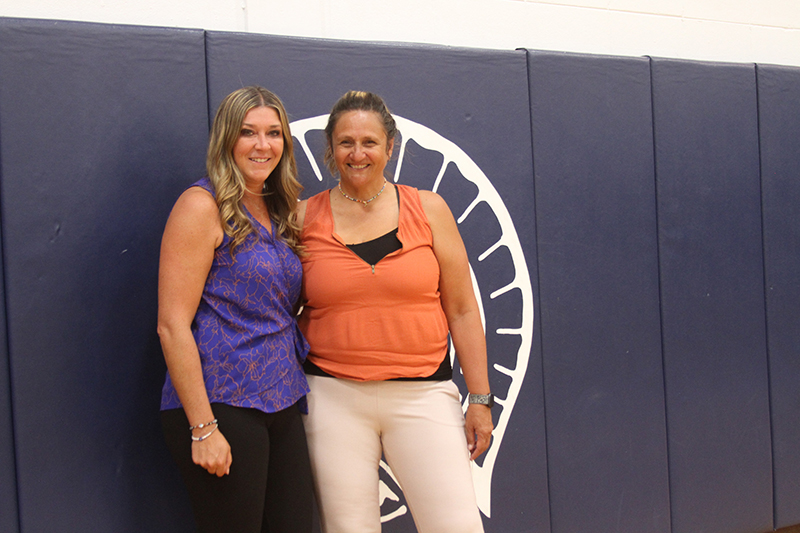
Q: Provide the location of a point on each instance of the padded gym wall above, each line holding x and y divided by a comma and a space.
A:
463, 119
598, 265
102, 126
779, 127
9, 520
712, 296
641, 402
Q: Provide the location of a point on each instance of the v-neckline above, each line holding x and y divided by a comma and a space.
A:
269, 231
332, 222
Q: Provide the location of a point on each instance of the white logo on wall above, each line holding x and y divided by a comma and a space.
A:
519, 288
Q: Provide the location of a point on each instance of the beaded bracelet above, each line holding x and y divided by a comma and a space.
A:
204, 437
201, 426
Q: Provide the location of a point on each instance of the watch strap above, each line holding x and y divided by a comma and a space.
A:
482, 399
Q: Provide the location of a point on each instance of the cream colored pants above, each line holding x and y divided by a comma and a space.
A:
419, 428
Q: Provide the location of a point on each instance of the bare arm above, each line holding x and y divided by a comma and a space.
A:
463, 316
192, 233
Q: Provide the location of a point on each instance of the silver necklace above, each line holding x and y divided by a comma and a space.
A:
365, 202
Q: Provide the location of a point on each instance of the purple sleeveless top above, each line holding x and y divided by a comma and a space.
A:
250, 347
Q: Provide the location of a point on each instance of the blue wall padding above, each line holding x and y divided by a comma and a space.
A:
598, 276
475, 99
712, 296
779, 120
9, 519
102, 127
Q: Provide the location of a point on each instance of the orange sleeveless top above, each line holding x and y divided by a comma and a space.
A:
372, 323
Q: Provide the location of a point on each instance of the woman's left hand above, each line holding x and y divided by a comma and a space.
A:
479, 429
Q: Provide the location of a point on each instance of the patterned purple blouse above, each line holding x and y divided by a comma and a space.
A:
250, 347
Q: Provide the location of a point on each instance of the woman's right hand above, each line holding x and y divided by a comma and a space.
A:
213, 454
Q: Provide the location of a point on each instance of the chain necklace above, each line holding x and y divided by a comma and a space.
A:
365, 202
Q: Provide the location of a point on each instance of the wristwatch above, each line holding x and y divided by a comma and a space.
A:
482, 399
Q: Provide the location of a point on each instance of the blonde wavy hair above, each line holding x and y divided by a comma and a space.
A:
281, 190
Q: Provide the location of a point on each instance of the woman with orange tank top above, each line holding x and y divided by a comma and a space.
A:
385, 280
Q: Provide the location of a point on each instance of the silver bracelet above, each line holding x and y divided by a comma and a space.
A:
201, 426
204, 437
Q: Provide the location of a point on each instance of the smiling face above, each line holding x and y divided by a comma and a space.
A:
360, 148
260, 145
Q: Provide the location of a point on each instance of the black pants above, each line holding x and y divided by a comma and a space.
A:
269, 488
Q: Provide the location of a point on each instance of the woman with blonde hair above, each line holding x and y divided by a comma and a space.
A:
229, 281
